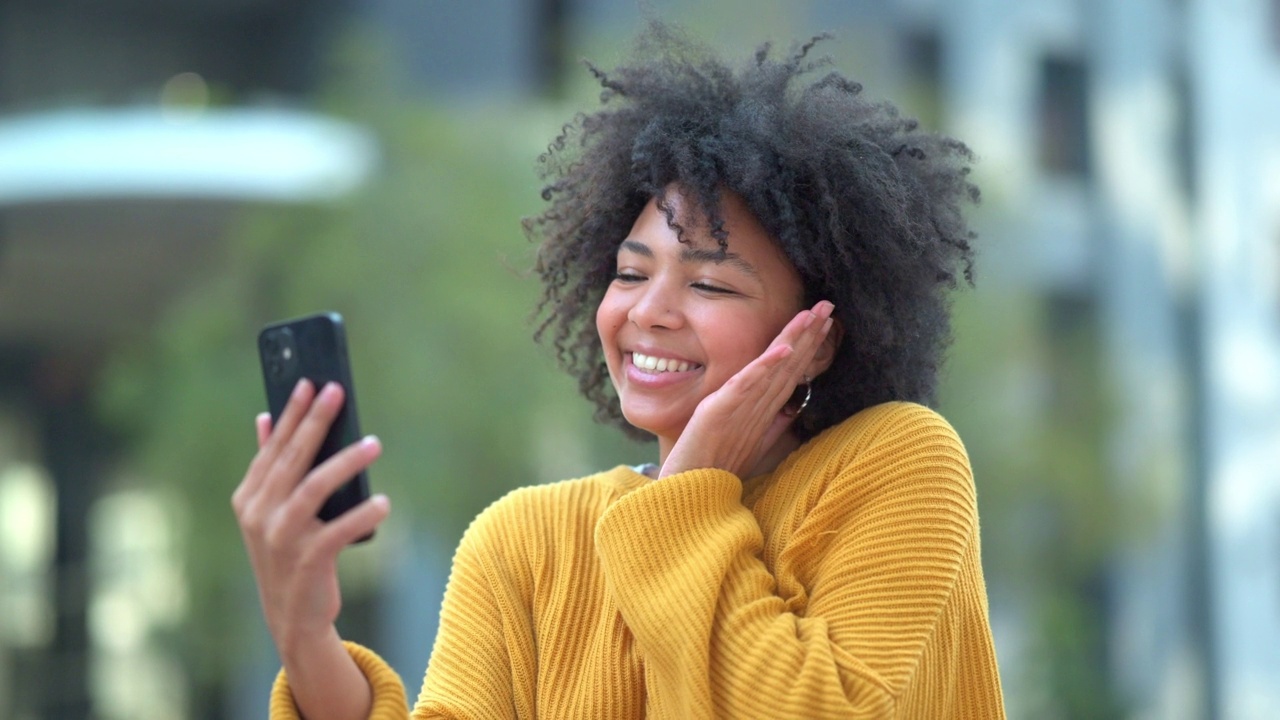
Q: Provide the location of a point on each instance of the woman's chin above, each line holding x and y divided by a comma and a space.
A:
655, 423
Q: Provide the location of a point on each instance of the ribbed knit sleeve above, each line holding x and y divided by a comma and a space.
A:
389, 701
881, 548
472, 672
527, 629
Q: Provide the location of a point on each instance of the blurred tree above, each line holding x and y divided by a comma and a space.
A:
1024, 392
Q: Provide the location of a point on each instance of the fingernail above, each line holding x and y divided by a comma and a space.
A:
370, 441
809, 317
300, 388
826, 307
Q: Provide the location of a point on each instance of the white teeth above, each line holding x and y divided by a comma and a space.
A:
659, 365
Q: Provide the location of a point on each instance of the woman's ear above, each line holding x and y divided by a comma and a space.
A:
827, 350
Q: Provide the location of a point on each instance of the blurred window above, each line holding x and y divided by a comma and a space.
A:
1275, 25
26, 556
1064, 117
1184, 131
923, 50
138, 598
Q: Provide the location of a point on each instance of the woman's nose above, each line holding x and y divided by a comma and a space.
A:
655, 308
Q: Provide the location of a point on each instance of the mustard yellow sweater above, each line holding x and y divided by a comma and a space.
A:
845, 584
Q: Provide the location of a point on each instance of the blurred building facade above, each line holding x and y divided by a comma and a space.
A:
1130, 147
1139, 148
130, 134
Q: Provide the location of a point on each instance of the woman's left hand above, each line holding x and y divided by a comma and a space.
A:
735, 426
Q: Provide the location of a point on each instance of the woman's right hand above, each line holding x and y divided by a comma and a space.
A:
294, 554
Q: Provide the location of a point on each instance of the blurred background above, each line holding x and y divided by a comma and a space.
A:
173, 175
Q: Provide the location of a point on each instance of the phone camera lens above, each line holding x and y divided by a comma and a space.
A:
279, 354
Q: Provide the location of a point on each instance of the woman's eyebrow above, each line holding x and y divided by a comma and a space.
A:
717, 256
696, 255
636, 247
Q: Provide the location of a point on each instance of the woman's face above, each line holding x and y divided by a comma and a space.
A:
680, 319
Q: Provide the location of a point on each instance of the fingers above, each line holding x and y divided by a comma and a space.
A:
358, 522
781, 368
807, 330
784, 362
260, 467
287, 450
330, 475
805, 334
294, 410
295, 515
254, 477
294, 448
293, 553
262, 423
734, 425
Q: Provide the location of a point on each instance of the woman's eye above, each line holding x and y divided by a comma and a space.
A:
707, 287
627, 277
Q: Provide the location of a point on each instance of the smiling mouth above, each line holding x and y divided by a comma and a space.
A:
651, 364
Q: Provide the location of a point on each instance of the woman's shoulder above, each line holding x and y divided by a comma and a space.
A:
891, 447
604, 485
896, 416
554, 506
905, 426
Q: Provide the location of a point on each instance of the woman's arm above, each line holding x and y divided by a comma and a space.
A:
388, 699
320, 680
484, 622
294, 555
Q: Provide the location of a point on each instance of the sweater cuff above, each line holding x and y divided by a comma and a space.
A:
389, 702
670, 502
683, 524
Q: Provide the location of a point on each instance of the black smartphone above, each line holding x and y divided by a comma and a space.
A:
315, 347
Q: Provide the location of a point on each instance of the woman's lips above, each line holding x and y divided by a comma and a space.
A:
653, 364
654, 371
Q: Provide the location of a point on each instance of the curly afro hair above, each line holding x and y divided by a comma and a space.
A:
865, 205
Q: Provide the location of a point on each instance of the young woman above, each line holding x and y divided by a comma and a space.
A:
753, 270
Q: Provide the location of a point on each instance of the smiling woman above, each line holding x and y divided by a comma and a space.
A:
717, 241
695, 307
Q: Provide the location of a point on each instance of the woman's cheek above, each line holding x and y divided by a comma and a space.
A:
607, 326
604, 325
